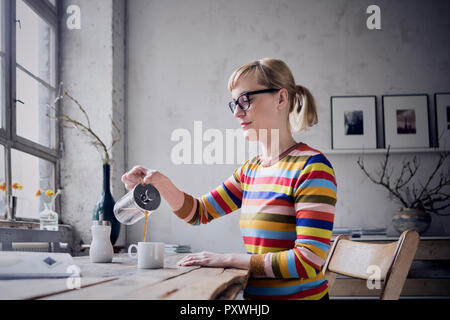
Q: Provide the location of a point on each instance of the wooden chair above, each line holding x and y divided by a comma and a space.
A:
354, 259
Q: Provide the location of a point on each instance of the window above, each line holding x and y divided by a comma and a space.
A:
2, 61
35, 76
29, 135
2, 179
33, 173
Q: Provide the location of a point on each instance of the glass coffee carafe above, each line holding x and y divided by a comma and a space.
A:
137, 203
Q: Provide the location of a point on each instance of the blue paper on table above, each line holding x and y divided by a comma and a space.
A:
177, 248
29, 265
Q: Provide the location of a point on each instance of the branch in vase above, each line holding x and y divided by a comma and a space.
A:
85, 128
387, 184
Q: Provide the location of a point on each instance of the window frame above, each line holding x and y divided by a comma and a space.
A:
8, 135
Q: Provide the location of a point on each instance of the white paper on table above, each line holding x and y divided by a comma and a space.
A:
26, 265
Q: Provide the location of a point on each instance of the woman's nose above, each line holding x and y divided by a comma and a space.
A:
238, 112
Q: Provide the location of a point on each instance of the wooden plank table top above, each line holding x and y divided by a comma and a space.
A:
122, 280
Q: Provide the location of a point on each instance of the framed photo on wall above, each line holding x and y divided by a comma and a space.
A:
442, 103
406, 123
353, 122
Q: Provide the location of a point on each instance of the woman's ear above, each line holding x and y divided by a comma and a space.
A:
283, 99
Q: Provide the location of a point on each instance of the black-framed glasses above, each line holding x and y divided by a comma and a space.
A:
243, 101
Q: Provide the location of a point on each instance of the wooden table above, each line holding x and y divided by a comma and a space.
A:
121, 279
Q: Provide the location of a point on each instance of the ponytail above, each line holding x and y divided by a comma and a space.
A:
303, 111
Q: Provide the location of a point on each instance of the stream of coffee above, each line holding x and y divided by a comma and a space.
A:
145, 225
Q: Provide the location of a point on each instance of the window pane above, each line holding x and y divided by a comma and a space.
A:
2, 61
2, 26
32, 173
53, 2
31, 120
2, 87
35, 43
2, 181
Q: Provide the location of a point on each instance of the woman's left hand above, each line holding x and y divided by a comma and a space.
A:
206, 259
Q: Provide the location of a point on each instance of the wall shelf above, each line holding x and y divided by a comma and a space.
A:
380, 151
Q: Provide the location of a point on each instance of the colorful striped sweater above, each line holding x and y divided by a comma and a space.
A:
287, 214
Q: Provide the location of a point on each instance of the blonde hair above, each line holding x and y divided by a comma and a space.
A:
274, 73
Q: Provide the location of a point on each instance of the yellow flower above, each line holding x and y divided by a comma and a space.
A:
38, 193
3, 186
17, 185
49, 192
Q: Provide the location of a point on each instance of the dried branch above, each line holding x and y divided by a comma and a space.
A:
405, 191
82, 127
384, 180
79, 106
441, 160
411, 170
117, 138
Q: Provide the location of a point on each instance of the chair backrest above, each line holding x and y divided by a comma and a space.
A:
362, 260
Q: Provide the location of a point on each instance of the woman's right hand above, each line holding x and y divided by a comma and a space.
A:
141, 175
144, 176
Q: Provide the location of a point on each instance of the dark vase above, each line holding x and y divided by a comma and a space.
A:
106, 206
411, 218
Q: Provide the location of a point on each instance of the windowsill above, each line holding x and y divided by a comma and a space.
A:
18, 224
25, 235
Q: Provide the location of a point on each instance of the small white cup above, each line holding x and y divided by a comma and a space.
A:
150, 255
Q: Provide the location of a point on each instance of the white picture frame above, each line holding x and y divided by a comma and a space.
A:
442, 103
353, 122
406, 121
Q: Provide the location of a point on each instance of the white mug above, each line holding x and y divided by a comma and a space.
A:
150, 255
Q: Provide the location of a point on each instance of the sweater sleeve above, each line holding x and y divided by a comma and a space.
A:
315, 198
221, 201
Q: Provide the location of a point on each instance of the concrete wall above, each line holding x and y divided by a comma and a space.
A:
178, 56
181, 54
93, 70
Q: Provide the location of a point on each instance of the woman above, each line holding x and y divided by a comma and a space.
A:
287, 194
